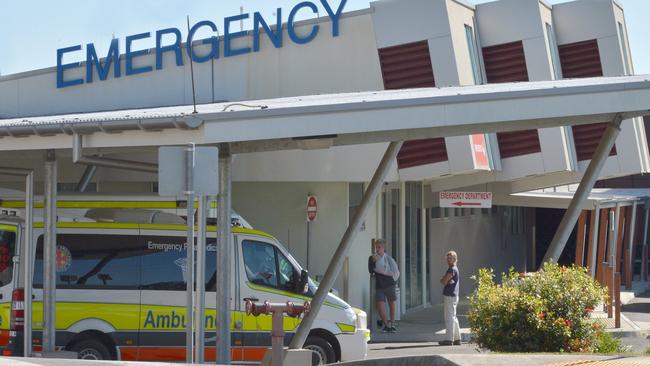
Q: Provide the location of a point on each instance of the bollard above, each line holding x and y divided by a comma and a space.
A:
277, 311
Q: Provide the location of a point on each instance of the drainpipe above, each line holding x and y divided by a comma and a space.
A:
582, 193
78, 158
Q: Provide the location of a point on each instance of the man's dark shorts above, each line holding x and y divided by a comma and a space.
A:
387, 293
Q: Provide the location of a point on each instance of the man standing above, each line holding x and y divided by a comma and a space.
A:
450, 281
384, 267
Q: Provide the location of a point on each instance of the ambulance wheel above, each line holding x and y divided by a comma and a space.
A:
91, 350
322, 351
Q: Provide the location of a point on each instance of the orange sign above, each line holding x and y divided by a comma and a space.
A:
479, 152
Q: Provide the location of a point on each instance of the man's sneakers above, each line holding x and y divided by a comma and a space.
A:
449, 343
389, 330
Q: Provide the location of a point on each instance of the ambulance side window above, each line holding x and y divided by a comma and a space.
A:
259, 263
164, 263
265, 265
87, 261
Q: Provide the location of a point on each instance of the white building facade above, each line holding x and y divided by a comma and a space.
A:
394, 44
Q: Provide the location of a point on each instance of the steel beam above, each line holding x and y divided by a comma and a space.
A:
334, 268
199, 336
189, 264
582, 193
79, 158
224, 255
27, 263
594, 241
49, 253
401, 248
85, 179
629, 269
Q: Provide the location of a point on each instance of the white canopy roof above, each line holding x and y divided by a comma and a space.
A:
351, 118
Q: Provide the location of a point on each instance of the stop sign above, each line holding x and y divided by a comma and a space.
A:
312, 208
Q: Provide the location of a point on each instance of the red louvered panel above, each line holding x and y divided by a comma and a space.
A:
586, 139
518, 143
422, 152
506, 63
409, 66
581, 59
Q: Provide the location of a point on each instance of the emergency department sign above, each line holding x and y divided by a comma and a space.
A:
466, 199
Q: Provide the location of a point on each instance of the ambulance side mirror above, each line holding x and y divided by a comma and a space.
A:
301, 282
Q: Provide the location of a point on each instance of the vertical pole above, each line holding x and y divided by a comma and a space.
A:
612, 257
308, 243
423, 253
594, 241
277, 338
199, 336
616, 284
644, 265
224, 255
49, 254
27, 261
402, 248
630, 263
334, 267
582, 193
189, 265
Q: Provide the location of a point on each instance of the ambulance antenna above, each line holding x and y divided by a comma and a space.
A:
189, 44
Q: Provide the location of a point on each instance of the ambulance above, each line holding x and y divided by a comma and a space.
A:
120, 278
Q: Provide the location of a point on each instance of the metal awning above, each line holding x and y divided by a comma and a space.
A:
561, 197
346, 119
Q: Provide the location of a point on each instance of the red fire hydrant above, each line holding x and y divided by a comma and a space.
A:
277, 310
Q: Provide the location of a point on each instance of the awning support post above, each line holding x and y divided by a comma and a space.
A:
86, 177
189, 264
582, 193
199, 336
49, 253
334, 268
594, 242
644, 262
629, 270
224, 255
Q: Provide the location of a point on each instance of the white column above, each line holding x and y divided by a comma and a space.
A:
402, 246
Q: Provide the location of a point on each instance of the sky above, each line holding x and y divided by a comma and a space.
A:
32, 30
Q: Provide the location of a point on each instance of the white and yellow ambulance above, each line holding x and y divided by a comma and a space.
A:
121, 289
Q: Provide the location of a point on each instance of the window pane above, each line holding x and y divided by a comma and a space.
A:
287, 272
7, 251
211, 265
164, 263
259, 263
93, 261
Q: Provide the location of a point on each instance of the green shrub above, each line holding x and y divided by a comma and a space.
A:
547, 311
607, 343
